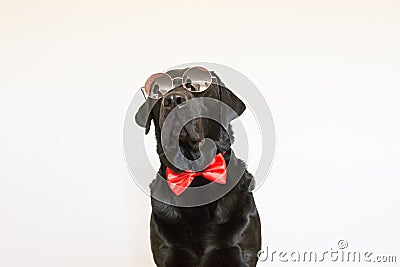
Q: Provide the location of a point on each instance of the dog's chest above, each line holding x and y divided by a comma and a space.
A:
197, 215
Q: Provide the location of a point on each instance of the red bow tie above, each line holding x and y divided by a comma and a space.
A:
215, 172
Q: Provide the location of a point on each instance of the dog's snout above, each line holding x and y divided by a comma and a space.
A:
174, 99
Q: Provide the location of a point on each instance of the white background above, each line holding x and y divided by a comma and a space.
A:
68, 70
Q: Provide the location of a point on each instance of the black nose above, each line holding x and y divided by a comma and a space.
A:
174, 99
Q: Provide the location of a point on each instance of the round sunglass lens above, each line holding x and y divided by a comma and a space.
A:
197, 79
157, 85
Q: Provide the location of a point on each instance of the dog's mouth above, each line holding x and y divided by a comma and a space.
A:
183, 143
191, 138
194, 132
195, 145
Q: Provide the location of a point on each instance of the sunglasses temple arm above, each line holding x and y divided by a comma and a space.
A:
144, 95
214, 80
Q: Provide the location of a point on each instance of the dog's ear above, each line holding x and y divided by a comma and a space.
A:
232, 100
229, 98
144, 114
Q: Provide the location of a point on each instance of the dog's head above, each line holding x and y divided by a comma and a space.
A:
194, 131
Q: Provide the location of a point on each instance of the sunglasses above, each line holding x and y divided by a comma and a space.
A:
195, 79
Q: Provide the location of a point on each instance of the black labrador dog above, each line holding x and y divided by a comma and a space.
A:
224, 232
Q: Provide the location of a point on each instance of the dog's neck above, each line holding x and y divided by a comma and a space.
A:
164, 201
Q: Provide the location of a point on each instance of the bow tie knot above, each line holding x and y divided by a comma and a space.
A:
215, 172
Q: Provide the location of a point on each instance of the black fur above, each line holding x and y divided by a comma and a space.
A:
226, 232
